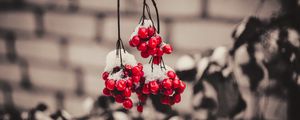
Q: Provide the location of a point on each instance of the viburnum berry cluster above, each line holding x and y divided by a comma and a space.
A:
120, 81
162, 83
148, 41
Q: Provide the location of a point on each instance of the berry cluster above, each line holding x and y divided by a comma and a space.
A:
121, 82
149, 42
168, 87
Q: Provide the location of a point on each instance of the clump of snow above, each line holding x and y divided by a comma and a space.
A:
185, 62
158, 73
112, 60
293, 37
220, 55
201, 66
117, 76
147, 23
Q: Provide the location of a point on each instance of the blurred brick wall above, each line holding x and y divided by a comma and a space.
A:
60, 45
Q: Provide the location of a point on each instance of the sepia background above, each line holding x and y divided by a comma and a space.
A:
53, 51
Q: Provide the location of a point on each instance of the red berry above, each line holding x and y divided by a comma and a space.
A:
181, 87
152, 43
110, 84
145, 54
171, 102
152, 51
142, 47
119, 98
106, 92
139, 108
136, 79
145, 89
156, 60
128, 67
177, 98
121, 85
140, 65
171, 74
153, 87
158, 38
168, 92
142, 73
129, 83
127, 92
127, 104
142, 97
131, 44
159, 52
105, 75
167, 49
136, 71
167, 83
176, 83
143, 32
135, 41
165, 100
151, 31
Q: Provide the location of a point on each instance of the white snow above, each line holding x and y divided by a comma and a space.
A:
156, 74
147, 23
220, 55
201, 66
112, 60
293, 37
185, 62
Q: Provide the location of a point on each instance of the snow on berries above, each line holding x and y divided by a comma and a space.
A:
148, 41
121, 80
162, 83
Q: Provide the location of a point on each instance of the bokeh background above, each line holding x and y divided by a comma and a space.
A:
53, 51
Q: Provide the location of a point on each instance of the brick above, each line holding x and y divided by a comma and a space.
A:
168, 8
100, 5
29, 100
240, 9
35, 48
93, 82
2, 47
201, 34
70, 25
62, 3
53, 78
17, 20
128, 25
10, 72
88, 55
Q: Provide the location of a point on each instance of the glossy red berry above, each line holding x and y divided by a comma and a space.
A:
152, 43
168, 92
105, 75
146, 89
142, 47
159, 40
106, 92
159, 52
143, 32
154, 87
181, 87
128, 67
177, 98
131, 44
140, 65
156, 60
171, 74
121, 85
129, 82
167, 83
119, 98
136, 79
136, 71
145, 54
167, 49
152, 51
176, 83
110, 84
151, 31
127, 92
135, 40
139, 108
127, 104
